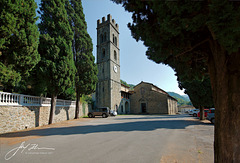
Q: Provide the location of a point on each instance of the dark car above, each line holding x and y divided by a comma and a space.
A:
103, 111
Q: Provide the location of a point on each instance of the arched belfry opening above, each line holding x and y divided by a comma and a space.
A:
115, 55
115, 42
113, 38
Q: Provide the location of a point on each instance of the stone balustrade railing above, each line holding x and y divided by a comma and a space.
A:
12, 99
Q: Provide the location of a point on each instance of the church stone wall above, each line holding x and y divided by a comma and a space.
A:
172, 105
156, 102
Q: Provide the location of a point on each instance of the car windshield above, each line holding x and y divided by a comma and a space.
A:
103, 109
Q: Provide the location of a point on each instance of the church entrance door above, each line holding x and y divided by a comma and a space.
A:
144, 107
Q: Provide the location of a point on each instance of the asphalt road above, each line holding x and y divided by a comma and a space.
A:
121, 139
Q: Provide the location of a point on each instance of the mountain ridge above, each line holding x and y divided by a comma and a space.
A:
183, 97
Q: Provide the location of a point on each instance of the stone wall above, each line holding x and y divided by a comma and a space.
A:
172, 106
15, 118
157, 103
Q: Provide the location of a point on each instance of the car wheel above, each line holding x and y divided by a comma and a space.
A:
104, 115
90, 115
194, 114
213, 120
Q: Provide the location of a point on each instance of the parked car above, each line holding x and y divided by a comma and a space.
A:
190, 112
211, 115
103, 111
193, 112
205, 113
113, 113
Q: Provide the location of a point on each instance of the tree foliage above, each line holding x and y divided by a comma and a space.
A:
82, 47
200, 92
124, 83
56, 36
56, 63
18, 41
171, 29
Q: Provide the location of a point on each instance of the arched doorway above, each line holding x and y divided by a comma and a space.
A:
127, 107
144, 107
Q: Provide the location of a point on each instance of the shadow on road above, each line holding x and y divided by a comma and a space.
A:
116, 127
151, 117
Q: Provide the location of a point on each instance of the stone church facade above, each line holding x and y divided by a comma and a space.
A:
146, 98
149, 99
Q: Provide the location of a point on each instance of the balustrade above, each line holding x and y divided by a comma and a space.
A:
12, 99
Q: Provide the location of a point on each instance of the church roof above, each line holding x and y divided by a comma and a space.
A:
157, 89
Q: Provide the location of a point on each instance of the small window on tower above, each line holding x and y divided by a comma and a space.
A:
103, 89
115, 55
105, 36
113, 39
101, 38
103, 53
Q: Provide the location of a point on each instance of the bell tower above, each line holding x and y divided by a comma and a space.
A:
108, 61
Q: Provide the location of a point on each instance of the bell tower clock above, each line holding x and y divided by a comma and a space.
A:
108, 61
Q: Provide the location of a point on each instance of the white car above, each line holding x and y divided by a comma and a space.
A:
194, 112
113, 113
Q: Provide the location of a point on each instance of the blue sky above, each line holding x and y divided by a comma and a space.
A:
135, 67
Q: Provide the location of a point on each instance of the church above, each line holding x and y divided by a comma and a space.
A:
144, 99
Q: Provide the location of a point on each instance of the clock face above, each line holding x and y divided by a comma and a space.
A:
115, 68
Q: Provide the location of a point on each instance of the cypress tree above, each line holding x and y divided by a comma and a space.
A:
86, 76
18, 41
199, 92
193, 37
56, 63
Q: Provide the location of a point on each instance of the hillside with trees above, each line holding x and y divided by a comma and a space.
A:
181, 99
129, 85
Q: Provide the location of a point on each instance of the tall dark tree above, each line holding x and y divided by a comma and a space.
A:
18, 41
56, 63
199, 92
191, 37
86, 76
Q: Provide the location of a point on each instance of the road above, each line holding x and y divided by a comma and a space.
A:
121, 139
